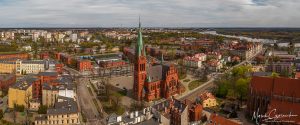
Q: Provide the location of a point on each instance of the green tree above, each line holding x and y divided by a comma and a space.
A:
43, 109
242, 88
1, 114
274, 74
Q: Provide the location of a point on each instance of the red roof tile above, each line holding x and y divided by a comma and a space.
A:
262, 85
278, 107
286, 87
219, 120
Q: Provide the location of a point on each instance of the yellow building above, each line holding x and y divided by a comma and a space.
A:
49, 95
208, 100
22, 66
7, 67
20, 91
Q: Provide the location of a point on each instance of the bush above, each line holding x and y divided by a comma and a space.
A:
194, 84
19, 108
186, 80
43, 109
1, 114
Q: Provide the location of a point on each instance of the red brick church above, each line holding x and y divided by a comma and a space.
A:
152, 81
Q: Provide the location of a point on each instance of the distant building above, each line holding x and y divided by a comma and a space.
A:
74, 37
84, 65
44, 56
214, 65
15, 56
283, 68
194, 61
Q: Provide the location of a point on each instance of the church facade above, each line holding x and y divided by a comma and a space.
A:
152, 80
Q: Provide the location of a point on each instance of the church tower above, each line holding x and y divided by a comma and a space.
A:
139, 67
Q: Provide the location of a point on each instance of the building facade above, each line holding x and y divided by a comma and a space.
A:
21, 91
7, 80
208, 100
24, 56
22, 67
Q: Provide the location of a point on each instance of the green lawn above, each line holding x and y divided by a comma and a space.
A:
194, 84
186, 80
182, 76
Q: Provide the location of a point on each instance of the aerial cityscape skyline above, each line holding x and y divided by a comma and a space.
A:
154, 13
149, 62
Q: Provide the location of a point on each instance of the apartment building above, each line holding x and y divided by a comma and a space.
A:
21, 67
64, 112
18, 92
194, 61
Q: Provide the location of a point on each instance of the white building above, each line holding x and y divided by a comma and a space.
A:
30, 66
194, 61
74, 37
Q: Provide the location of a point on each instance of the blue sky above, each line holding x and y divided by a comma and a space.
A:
154, 13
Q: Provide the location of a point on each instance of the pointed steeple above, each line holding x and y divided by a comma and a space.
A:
140, 46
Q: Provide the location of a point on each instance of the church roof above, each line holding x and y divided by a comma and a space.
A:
154, 73
140, 46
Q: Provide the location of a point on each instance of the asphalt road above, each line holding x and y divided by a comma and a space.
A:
86, 102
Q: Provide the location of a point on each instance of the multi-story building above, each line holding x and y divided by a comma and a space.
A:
269, 94
7, 67
84, 65
172, 112
283, 68
246, 50
64, 112
208, 100
44, 56
214, 65
153, 81
74, 37
30, 66
194, 61
49, 95
21, 67
14, 56
58, 87
21, 91
195, 110
7, 80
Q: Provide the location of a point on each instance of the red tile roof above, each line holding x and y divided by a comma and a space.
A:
286, 87
219, 120
278, 107
262, 85
297, 76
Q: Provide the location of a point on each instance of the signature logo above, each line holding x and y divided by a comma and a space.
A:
272, 116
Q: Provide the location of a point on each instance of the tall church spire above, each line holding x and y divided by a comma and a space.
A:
140, 46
